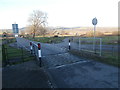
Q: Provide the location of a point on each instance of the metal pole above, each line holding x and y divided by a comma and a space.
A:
22, 54
94, 40
100, 46
79, 44
39, 54
31, 49
69, 44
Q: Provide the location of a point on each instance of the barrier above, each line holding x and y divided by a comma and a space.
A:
31, 47
36, 50
69, 44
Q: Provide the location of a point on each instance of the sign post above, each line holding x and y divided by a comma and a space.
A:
15, 29
94, 22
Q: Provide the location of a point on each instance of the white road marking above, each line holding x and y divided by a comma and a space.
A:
68, 64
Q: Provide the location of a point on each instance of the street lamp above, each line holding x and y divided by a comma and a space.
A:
94, 22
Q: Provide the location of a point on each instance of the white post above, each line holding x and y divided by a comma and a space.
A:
79, 44
39, 53
69, 44
31, 49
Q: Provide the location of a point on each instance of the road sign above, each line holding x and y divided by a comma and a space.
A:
94, 21
15, 28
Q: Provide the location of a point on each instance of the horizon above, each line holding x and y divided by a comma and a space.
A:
62, 27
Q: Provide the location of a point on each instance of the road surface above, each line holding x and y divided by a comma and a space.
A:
24, 75
69, 71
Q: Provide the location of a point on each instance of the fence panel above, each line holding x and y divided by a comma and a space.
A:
87, 44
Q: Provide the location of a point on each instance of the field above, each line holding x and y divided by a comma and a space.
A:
106, 40
110, 40
48, 39
86, 30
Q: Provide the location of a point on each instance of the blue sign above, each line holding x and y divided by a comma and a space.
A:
15, 28
94, 21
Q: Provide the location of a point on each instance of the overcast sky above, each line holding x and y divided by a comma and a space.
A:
68, 13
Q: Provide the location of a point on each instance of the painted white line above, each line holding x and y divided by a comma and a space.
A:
55, 54
68, 64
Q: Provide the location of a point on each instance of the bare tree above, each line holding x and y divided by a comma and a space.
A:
38, 22
42, 31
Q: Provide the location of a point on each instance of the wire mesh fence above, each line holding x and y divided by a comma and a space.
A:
93, 46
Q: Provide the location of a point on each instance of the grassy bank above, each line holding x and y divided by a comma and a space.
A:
16, 55
107, 59
110, 40
13, 55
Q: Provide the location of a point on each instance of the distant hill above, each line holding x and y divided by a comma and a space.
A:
84, 30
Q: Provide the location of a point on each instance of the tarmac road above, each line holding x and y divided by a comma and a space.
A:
69, 71
85, 75
24, 75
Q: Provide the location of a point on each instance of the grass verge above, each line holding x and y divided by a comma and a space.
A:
104, 59
15, 56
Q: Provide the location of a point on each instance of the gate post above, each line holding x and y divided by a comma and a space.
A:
31, 49
69, 45
100, 46
79, 44
39, 53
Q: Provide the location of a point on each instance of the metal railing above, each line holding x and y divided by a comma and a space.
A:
31, 46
